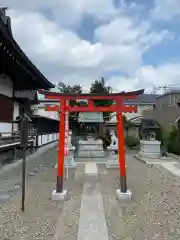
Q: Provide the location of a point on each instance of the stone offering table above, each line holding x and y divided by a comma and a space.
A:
91, 144
91, 148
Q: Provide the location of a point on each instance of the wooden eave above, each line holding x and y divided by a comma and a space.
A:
24, 67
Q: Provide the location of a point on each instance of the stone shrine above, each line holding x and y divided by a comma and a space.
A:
149, 146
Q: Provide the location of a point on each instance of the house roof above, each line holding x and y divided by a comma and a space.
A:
175, 91
17, 65
142, 99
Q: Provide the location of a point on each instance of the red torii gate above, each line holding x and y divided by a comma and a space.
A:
118, 107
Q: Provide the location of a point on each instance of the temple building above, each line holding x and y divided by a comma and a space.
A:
19, 80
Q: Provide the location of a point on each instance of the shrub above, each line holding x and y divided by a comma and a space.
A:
132, 141
173, 134
174, 147
173, 143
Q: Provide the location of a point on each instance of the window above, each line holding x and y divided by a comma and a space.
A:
6, 108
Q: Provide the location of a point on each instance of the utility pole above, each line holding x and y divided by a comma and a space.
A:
154, 90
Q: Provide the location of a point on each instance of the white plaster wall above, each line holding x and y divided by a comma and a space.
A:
39, 141
6, 87
6, 127
42, 112
16, 110
15, 114
46, 138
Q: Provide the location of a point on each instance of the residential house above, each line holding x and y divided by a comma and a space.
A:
166, 110
143, 102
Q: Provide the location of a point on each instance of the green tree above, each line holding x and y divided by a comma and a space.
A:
71, 89
66, 88
99, 86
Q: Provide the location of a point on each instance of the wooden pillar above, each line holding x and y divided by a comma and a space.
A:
121, 153
60, 164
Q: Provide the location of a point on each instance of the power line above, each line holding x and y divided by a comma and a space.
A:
164, 88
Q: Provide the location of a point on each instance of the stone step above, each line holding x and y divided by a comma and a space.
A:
91, 154
89, 159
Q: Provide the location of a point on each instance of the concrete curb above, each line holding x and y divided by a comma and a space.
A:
173, 156
151, 163
33, 156
140, 159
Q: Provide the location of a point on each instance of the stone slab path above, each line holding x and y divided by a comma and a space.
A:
92, 222
92, 211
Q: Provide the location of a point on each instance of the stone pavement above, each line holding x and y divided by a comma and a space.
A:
92, 211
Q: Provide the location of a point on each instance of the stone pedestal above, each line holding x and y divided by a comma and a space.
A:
59, 196
150, 149
123, 197
111, 158
91, 144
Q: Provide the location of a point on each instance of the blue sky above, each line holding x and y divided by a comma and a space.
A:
132, 43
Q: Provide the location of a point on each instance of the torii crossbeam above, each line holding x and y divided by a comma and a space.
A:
118, 107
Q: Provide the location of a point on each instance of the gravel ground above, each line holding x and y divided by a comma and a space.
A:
152, 215
154, 212
41, 213
177, 165
10, 175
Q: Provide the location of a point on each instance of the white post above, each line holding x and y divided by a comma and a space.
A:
69, 159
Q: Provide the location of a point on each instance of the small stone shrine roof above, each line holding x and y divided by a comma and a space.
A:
148, 124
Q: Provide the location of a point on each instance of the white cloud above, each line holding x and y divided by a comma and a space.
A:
63, 56
166, 9
46, 42
148, 76
167, 74
68, 13
123, 30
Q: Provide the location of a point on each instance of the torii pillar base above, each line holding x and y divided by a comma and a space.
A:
56, 196
124, 197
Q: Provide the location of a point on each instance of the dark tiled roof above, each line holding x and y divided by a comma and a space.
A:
143, 99
7, 39
175, 91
